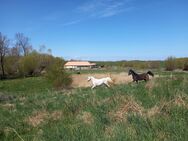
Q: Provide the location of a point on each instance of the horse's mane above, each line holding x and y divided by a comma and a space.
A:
133, 72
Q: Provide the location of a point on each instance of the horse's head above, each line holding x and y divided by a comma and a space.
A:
130, 72
89, 78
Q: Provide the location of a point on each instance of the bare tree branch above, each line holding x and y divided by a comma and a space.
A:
4, 48
22, 44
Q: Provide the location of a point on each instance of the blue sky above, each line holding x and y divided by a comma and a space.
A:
101, 29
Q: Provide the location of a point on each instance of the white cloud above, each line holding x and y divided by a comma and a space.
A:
71, 22
91, 9
104, 8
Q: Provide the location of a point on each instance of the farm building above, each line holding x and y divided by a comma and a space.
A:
79, 65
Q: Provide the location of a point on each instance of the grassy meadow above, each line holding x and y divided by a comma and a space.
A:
156, 110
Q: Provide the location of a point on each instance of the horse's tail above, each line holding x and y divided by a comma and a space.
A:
150, 73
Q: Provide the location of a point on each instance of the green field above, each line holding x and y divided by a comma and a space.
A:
156, 110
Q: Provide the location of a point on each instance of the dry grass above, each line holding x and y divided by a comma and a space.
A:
179, 101
7, 106
22, 99
37, 118
56, 115
109, 132
86, 117
152, 111
40, 117
129, 106
150, 85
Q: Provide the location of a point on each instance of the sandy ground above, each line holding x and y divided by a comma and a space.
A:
80, 80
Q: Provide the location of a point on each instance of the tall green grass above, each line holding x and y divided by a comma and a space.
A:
87, 114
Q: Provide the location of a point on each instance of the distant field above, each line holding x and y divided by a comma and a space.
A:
107, 70
156, 110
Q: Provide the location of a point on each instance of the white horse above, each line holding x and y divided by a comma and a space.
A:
98, 82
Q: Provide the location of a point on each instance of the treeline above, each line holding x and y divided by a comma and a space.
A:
170, 64
137, 64
19, 59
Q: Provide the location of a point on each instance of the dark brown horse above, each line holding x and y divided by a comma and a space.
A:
139, 77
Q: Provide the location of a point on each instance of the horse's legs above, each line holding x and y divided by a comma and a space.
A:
107, 85
147, 78
93, 86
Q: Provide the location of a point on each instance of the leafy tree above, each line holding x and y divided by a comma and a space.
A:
29, 64
11, 65
57, 75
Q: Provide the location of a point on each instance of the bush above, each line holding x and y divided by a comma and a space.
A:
170, 63
45, 60
185, 68
11, 65
29, 64
57, 75
180, 63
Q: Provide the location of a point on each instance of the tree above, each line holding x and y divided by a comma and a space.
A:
57, 74
29, 64
170, 63
4, 44
42, 49
49, 51
14, 51
22, 44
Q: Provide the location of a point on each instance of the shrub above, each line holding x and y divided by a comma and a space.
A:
57, 75
11, 65
170, 63
185, 68
180, 63
29, 64
45, 60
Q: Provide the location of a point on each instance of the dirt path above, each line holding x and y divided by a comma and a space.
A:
80, 80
